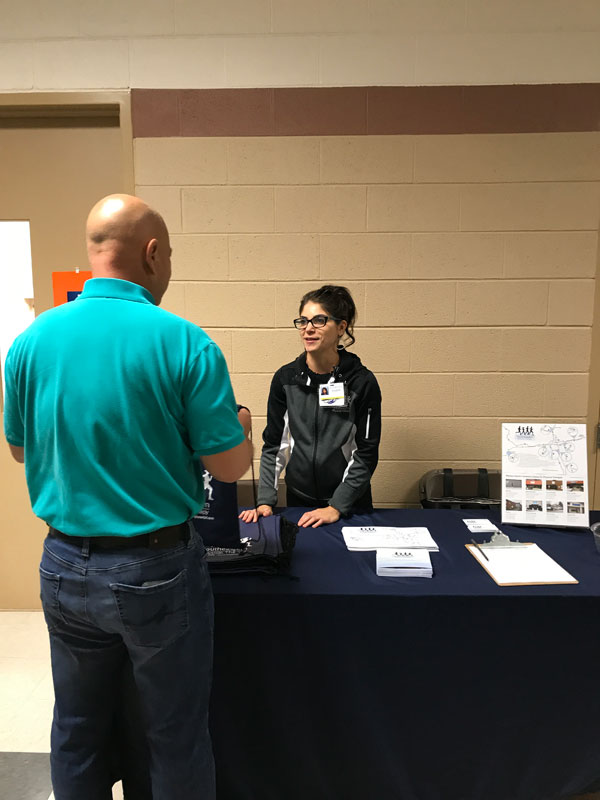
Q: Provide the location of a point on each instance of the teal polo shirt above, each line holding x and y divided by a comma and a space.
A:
114, 399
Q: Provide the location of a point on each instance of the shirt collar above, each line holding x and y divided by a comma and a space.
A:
117, 289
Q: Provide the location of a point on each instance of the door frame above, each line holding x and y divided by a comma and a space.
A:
96, 103
57, 105
19, 552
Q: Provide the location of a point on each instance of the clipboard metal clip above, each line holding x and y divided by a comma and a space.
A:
499, 539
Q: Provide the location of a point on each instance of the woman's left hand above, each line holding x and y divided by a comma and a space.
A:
319, 516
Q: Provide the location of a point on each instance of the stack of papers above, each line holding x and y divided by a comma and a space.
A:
401, 552
374, 538
404, 563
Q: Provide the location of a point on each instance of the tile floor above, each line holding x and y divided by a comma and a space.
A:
26, 701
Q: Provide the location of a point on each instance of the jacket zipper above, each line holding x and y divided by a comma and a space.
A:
368, 423
316, 441
336, 376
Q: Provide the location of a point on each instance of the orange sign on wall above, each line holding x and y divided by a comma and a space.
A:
68, 285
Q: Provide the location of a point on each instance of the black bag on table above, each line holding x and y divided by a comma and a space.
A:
233, 546
217, 523
265, 546
461, 488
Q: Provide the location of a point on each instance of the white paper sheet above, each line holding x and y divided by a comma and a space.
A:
480, 525
523, 565
367, 538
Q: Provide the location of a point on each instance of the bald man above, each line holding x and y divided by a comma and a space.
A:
111, 402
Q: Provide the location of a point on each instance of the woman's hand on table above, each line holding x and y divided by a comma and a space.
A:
319, 516
252, 514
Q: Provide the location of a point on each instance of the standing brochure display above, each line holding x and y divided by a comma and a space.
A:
544, 474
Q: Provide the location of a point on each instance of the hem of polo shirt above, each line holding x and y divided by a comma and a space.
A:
222, 448
14, 443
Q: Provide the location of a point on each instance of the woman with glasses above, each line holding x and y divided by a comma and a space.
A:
323, 418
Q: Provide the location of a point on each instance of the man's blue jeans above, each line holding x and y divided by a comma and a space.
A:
149, 612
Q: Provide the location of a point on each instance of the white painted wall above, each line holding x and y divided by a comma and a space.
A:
16, 280
81, 44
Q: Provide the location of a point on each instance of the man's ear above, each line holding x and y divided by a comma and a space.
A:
150, 254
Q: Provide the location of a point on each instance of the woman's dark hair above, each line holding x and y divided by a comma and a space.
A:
338, 303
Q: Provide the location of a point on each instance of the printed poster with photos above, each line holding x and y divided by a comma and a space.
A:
544, 474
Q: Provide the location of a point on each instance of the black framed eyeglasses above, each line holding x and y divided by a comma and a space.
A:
319, 321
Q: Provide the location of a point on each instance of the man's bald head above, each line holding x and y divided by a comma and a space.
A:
127, 239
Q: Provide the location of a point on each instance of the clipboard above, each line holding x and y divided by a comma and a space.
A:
523, 564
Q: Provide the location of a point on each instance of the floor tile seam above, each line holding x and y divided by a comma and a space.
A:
25, 658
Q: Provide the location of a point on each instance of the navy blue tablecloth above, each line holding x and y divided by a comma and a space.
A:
337, 684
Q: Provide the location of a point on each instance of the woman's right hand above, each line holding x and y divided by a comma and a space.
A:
252, 514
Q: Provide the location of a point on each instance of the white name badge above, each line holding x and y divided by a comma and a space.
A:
332, 394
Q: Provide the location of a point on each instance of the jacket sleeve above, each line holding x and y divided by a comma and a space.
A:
365, 453
276, 447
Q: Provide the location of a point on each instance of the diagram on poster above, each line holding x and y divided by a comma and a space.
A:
544, 474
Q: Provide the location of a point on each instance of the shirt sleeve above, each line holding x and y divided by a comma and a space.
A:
14, 428
210, 408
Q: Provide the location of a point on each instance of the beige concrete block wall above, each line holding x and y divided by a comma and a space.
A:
266, 251
254, 43
471, 259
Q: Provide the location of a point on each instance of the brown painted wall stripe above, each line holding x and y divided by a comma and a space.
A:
366, 110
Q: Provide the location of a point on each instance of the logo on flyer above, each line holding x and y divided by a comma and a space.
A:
524, 432
208, 489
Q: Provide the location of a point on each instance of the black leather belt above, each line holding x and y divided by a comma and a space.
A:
155, 540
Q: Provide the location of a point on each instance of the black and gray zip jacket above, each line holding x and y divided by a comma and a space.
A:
329, 453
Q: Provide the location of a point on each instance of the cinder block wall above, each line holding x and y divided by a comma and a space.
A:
458, 198
471, 256
81, 44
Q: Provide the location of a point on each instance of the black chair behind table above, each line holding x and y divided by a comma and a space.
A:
461, 488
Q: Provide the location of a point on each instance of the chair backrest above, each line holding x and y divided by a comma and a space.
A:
461, 488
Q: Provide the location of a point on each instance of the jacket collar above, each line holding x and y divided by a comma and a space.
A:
349, 364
